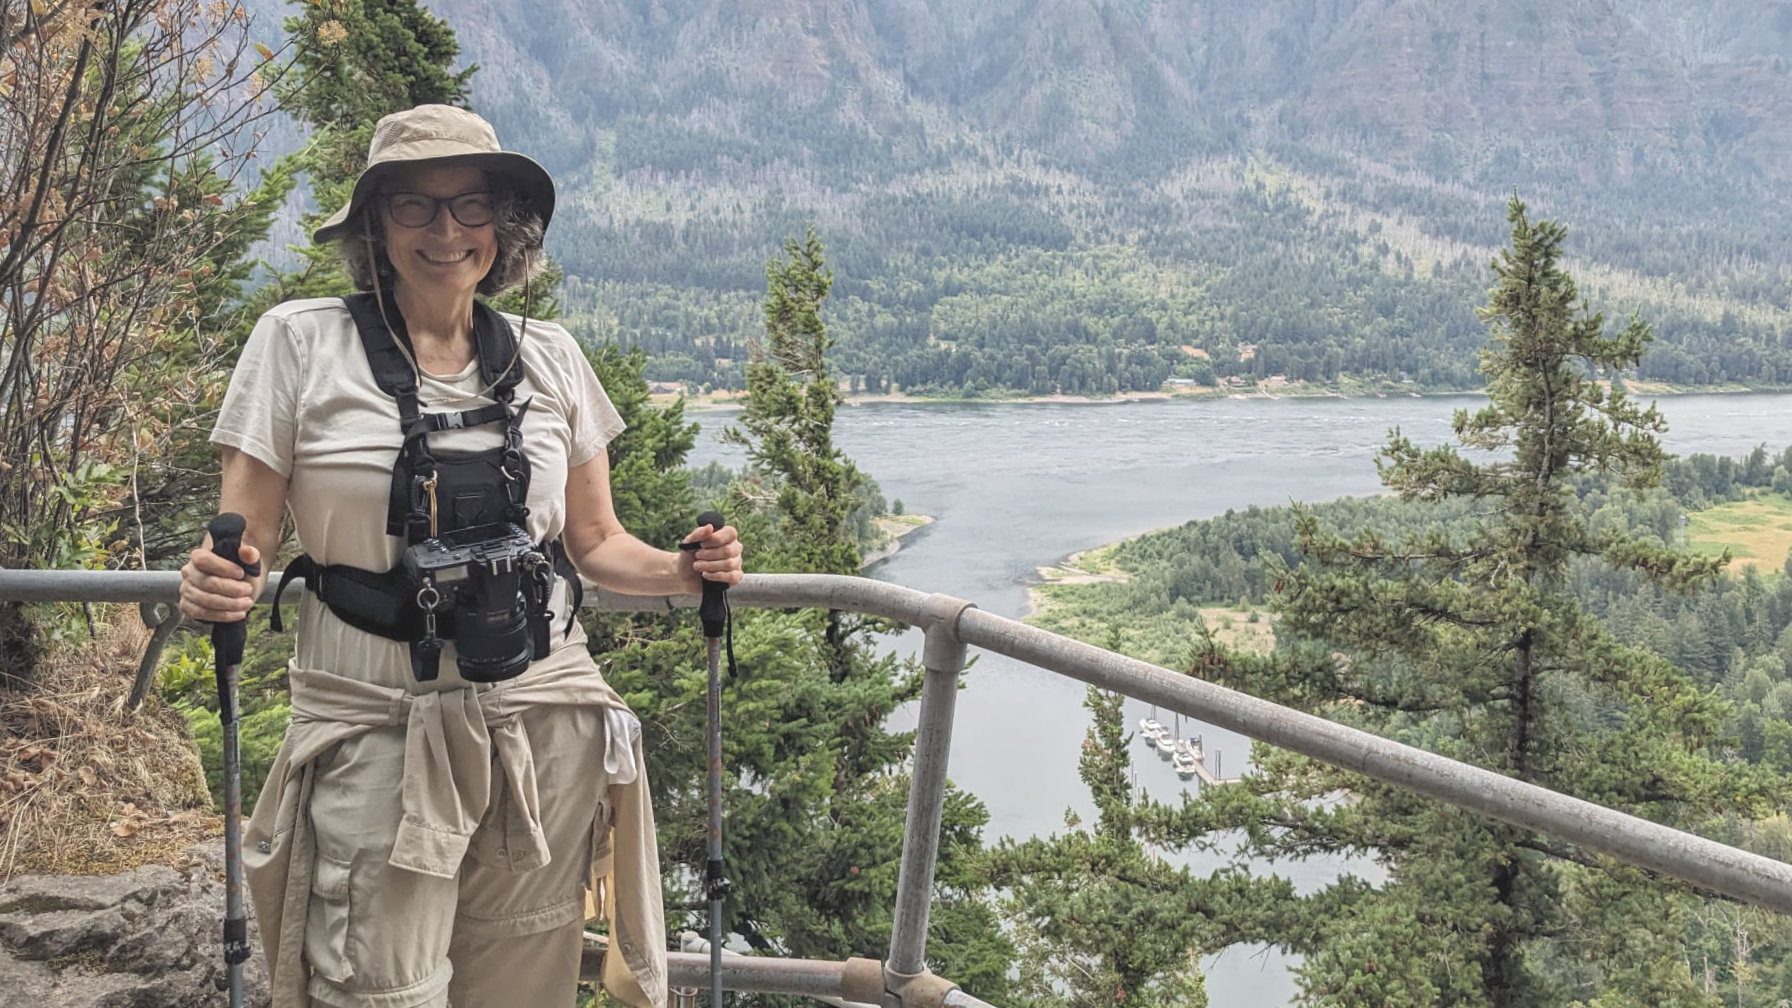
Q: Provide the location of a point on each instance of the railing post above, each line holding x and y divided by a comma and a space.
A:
943, 658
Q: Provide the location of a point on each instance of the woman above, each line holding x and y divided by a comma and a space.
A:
455, 771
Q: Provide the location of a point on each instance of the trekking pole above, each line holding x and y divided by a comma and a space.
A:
227, 645
713, 612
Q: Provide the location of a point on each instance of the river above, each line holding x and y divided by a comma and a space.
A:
1015, 486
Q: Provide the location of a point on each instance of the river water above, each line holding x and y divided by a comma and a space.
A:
1015, 486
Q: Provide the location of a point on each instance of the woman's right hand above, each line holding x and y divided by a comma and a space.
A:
213, 589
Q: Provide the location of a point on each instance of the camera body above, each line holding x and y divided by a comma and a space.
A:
488, 575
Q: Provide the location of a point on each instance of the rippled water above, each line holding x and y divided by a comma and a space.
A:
1016, 486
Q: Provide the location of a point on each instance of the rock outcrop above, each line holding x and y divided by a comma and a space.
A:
147, 938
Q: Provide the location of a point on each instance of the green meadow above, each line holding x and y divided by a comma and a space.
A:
1757, 531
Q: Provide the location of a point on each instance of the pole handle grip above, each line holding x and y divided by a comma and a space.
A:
713, 610
226, 531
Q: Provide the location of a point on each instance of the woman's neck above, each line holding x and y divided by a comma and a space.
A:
443, 323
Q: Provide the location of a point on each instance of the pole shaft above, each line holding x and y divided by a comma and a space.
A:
715, 821
233, 827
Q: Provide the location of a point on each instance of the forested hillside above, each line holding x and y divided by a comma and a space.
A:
1093, 195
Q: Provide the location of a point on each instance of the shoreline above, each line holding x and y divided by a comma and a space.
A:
734, 398
897, 528
1250, 628
1075, 569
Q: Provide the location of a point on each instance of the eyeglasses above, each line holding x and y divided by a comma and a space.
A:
415, 210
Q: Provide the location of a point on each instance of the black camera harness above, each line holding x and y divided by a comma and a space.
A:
438, 491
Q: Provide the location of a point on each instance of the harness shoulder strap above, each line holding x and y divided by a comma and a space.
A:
391, 370
495, 344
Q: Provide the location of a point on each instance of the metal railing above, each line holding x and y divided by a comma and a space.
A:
950, 626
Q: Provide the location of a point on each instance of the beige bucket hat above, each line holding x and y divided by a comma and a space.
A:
432, 134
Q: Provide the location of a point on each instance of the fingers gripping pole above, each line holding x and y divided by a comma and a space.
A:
228, 640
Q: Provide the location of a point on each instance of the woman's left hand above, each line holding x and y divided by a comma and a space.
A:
717, 557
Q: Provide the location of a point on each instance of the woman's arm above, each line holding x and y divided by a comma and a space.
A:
606, 553
212, 588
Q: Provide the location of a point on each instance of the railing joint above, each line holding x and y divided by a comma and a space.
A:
163, 619
863, 980
925, 989
944, 650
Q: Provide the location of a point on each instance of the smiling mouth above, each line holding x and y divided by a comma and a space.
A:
446, 260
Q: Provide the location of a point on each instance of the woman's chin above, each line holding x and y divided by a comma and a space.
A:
458, 280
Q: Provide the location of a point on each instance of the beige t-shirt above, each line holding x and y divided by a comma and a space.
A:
304, 402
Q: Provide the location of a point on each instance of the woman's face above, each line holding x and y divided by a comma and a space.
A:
443, 258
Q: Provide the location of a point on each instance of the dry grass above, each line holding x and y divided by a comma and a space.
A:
85, 787
1233, 629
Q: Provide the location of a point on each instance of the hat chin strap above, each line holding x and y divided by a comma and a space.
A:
373, 256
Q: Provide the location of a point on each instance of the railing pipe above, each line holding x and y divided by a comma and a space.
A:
163, 619
695, 944
1704, 863
806, 977
943, 659
90, 586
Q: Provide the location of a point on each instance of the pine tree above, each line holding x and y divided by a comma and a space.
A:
788, 423
1100, 915
1098, 918
815, 791
1466, 640
357, 61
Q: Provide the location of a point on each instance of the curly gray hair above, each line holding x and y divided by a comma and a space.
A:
518, 230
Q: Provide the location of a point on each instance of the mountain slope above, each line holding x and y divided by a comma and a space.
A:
1315, 183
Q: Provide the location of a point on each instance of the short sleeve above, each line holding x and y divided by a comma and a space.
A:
260, 411
594, 420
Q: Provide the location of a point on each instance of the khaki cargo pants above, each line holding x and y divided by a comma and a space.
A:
384, 937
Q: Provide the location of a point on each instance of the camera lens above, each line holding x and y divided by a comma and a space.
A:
493, 643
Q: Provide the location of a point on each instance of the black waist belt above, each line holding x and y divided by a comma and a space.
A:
384, 603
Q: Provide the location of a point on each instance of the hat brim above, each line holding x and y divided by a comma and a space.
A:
531, 181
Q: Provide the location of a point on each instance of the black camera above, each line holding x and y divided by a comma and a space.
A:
488, 575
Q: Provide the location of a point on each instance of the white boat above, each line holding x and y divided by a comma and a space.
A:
1166, 745
1184, 761
1153, 732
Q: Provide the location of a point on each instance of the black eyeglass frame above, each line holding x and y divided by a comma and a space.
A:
440, 202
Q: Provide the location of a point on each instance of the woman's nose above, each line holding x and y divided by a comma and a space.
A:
444, 225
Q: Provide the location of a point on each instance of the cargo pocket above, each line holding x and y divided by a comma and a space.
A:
326, 922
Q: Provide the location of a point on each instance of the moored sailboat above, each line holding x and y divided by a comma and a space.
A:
1155, 734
